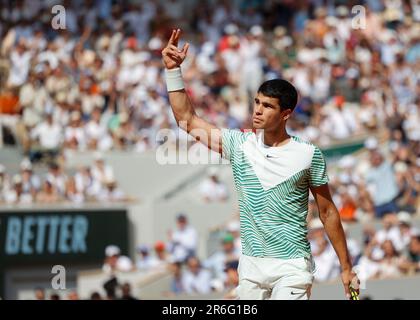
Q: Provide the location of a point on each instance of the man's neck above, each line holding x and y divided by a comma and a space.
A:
276, 139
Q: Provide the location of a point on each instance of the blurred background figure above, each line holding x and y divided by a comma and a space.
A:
184, 240
114, 261
212, 189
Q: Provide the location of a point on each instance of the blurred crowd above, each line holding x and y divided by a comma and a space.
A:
98, 83
386, 251
389, 249
191, 275
91, 183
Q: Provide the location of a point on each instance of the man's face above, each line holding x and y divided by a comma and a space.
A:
267, 113
39, 294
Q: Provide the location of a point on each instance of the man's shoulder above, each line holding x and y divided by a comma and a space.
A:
304, 146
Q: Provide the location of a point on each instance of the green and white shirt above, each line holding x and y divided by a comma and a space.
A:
273, 188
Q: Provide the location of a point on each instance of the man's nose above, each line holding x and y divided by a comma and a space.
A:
258, 109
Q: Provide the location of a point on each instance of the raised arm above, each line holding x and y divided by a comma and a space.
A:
330, 218
181, 105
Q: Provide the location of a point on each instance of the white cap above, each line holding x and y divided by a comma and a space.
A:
26, 164
155, 43
112, 250
280, 31
342, 11
404, 217
256, 30
371, 143
17, 179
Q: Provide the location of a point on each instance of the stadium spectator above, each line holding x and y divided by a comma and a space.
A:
176, 285
326, 262
39, 294
162, 256
183, 241
232, 280
126, 292
46, 139
72, 295
115, 262
196, 279
145, 261
381, 177
212, 189
218, 260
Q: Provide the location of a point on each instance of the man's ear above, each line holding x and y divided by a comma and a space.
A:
286, 114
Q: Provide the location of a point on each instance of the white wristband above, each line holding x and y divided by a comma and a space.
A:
174, 80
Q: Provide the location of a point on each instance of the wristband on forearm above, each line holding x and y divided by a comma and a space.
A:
173, 79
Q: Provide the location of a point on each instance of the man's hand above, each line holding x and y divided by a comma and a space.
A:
171, 55
349, 278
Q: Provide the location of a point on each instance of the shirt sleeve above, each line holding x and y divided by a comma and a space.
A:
231, 140
318, 170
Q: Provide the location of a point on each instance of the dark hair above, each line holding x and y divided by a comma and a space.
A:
282, 90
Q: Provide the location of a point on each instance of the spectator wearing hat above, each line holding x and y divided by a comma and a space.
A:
74, 134
95, 130
326, 262
217, 261
15, 195
101, 171
232, 280
183, 241
389, 231
406, 231
31, 183
382, 185
145, 261
47, 138
111, 192
115, 262
57, 178
162, 257
212, 189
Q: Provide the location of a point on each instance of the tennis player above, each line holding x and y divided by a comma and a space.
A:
273, 174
